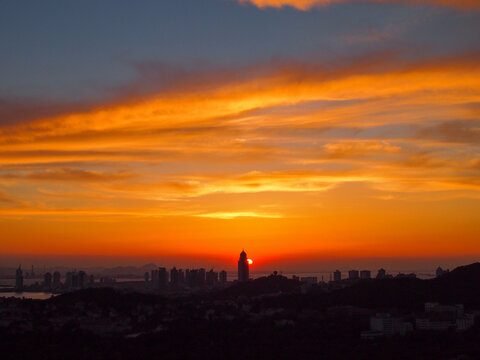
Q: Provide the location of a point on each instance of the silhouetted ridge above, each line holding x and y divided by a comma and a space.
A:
468, 275
261, 286
461, 285
106, 297
403, 293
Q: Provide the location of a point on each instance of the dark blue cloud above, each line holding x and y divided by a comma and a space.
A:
79, 51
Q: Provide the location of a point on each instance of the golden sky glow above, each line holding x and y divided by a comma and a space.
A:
291, 158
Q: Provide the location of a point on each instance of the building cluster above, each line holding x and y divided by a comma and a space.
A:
53, 282
309, 280
355, 275
444, 317
162, 279
436, 317
336, 280
31, 274
77, 280
384, 324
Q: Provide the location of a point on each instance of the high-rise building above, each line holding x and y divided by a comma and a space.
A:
174, 277
243, 271
181, 277
201, 277
75, 280
223, 277
68, 279
155, 280
82, 279
381, 274
365, 274
353, 275
194, 277
191, 277
162, 278
337, 275
19, 279
56, 279
47, 280
211, 278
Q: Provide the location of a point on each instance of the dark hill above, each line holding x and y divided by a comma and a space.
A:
106, 298
402, 293
462, 276
462, 285
261, 286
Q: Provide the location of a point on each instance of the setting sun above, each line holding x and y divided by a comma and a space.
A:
250, 261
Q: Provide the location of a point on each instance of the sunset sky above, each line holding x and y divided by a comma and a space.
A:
307, 132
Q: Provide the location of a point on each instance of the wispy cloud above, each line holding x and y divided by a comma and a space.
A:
233, 215
66, 174
309, 4
6, 198
272, 131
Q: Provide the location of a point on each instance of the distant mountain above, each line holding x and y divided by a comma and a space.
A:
129, 270
148, 267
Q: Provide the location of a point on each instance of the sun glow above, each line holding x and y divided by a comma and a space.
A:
250, 261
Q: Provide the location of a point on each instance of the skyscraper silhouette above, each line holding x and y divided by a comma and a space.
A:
47, 280
243, 273
223, 277
19, 279
337, 275
56, 280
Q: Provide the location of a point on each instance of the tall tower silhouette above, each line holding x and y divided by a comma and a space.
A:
19, 279
243, 273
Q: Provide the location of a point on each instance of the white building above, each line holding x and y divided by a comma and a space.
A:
427, 324
465, 322
388, 325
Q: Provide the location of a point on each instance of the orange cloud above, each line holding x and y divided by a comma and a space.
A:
308, 4
254, 121
283, 155
233, 215
66, 174
5, 198
359, 148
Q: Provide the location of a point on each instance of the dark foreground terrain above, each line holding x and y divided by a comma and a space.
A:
269, 318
